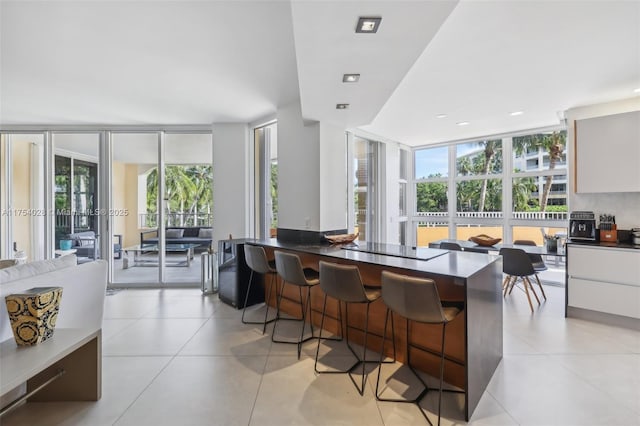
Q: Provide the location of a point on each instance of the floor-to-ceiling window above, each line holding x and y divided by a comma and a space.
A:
431, 189
403, 191
478, 188
512, 187
76, 192
364, 181
162, 203
22, 195
266, 180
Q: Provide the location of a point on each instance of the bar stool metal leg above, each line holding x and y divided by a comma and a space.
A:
266, 314
304, 306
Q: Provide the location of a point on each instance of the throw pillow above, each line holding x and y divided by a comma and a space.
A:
174, 233
205, 233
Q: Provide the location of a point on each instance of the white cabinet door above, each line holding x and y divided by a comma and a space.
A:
608, 153
610, 298
604, 280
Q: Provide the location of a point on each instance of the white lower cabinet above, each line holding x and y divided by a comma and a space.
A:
604, 279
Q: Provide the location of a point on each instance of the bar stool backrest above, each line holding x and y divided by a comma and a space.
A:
342, 282
290, 269
450, 246
516, 262
411, 297
257, 259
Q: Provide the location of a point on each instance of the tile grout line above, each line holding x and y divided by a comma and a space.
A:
264, 369
159, 372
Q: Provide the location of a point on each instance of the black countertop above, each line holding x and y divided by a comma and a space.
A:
433, 261
397, 250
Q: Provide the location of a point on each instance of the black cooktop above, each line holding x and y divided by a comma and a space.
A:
396, 250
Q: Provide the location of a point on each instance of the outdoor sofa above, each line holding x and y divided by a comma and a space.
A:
200, 235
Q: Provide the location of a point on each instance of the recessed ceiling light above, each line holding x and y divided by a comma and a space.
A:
350, 78
368, 25
515, 113
342, 106
636, 90
462, 123
441, 116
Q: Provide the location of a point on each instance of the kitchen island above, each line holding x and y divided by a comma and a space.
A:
474, 339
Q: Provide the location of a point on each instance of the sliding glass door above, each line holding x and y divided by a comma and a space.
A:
161, 206
22, 196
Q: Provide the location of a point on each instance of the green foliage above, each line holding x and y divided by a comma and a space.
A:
469, 199
554, 144
521, 192
188, 189
553, 209
431, 196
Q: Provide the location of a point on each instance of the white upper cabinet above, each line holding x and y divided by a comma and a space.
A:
608, 153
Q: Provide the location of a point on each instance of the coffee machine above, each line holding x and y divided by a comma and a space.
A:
582, 226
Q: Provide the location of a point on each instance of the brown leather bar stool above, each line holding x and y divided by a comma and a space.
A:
517, 264
344, 283
416, 299
291, 271
257, 261
536, 261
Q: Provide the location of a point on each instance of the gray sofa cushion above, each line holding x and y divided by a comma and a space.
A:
205, 233
173, 233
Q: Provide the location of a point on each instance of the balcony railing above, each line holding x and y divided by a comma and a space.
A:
500, 215
81, 221
150, 220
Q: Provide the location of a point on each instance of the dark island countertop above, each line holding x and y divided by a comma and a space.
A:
433, 261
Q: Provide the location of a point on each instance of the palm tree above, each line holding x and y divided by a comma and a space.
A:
490, 148
521, 190
202, 197
553, 144
179, 188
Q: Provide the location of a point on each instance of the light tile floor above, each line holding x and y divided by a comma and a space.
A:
175, 357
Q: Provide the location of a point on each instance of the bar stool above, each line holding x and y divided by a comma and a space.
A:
344, 283
291, 271
257, 261
536, 261
416, 299
517, 264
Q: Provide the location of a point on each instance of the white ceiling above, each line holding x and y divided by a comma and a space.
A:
145, 62
494, 57
200, 62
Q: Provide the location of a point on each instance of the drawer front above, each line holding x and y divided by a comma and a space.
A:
605, 297
602, 264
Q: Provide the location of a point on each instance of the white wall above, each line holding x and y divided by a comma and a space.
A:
625, 206
333, 178
298, 170
230, 181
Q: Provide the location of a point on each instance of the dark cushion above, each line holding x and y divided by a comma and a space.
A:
174, 233
191, 232
205, 233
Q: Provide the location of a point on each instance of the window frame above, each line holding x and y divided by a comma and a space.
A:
505, 218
